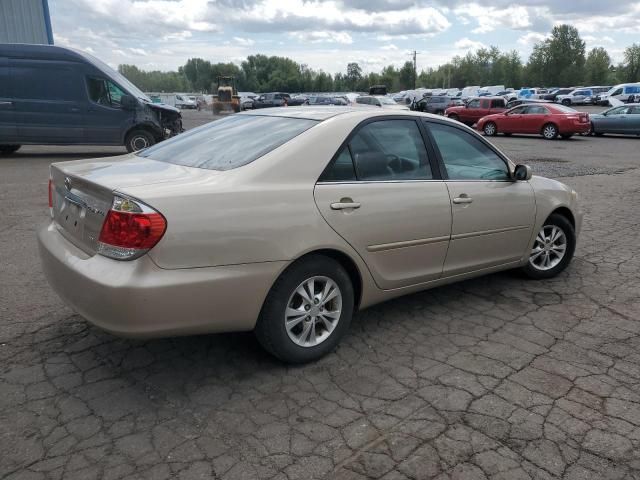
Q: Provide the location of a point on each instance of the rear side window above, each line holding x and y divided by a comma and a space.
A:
497, 103
228, 143
466, 157
386, 150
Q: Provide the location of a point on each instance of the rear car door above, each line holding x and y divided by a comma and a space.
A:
383, 195
8, 123
533, 117
633, 120
47, 101
492, 216
105, 120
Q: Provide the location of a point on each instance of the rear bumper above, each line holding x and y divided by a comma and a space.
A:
139, 299
575, 127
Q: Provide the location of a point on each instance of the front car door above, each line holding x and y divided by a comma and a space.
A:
8, 123
492, 215
633, 120
468, 113
382, 193
105, 119
512, 121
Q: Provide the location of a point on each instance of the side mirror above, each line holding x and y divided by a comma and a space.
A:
522, 173
128, 102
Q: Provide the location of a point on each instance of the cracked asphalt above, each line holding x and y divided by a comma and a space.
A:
494, 378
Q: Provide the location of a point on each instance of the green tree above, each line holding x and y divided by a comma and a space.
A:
405, 76
560, 59
597, 66
632, 63
354, 75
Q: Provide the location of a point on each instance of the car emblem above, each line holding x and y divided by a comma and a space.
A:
67, 183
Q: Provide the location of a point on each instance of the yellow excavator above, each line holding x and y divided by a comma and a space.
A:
227, 99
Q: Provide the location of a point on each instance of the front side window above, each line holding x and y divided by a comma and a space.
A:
228, 143
536, 110
385, 150
103, 92
466, 157
517, 111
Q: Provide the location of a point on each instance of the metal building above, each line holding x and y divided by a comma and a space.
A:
25, 21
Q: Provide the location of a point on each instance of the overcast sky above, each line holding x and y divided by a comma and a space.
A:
163, 34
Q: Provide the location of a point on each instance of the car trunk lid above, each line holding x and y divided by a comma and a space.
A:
82, 191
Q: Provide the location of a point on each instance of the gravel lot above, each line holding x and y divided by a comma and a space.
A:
494, 378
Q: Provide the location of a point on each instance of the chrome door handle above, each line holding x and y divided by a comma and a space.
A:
6, 103
344, 204
462, 199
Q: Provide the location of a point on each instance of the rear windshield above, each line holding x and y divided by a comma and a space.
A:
565, 109
228, 143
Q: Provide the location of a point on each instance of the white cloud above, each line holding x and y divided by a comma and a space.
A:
531, 38
390, 47
323, 37
468, 44
243, 42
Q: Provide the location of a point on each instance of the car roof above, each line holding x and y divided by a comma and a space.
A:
327, 112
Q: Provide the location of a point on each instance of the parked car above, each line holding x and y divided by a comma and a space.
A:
185, 101
58, 96
625, 92
528, 93
247, 99
553, 94
469, 92
327, 100
623, 119
277, 99
550, 121
475, 109
319, 212
437, 104
521, 101
381, 101
581, 96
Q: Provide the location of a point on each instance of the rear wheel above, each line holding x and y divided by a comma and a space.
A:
552, 249
549, 131
9, 149
139, 139
490, 129
631, 99
307, 311
454, 117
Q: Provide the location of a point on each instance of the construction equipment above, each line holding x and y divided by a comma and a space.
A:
227, 99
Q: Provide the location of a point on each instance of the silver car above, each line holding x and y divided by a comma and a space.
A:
288, 221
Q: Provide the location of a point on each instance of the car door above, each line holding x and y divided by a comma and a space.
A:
105, 120
533, 117
512, 121
8, 121
492, 215
47, 101
468, 113
383, 195
633, 120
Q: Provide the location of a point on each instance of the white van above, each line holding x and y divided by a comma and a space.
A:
625, 92
468, 92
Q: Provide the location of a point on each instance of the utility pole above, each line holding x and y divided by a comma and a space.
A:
415, 69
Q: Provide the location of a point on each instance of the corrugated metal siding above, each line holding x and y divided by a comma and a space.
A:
23, 21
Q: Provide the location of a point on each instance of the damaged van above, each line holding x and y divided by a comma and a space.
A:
59, 96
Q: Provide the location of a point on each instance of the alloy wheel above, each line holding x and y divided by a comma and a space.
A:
313, 311
549, 132
490, 129
549, 248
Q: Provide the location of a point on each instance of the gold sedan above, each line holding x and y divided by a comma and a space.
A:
287, 221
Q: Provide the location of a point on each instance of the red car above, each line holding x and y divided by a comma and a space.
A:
476, 108
546, 120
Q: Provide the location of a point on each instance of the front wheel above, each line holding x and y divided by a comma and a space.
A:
552, 249
138, 139
490, 129
566, 102
549, 131
307, 311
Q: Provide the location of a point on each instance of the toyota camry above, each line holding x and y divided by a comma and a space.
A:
288, 221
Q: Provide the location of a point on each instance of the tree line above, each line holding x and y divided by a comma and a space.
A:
561, 60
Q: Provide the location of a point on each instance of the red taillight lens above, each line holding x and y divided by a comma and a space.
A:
140, 231
130, 229
50, 194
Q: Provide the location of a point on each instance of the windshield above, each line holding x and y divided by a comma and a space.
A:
228, 143
118, 77
387, 101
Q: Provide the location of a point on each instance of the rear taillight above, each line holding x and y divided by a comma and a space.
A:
130, 229
51, 197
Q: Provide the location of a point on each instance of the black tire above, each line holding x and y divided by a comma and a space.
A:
566, 102
631, 99
270, 329
490, 129
565, 225
439, 112
549, 131
9, 149
566, 136
138, 139
454, 117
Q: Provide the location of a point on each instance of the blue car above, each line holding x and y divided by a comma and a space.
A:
624, 120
